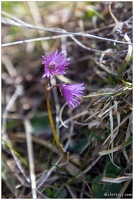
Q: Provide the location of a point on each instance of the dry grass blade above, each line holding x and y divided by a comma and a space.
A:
120, 26
31, 157
116, 180
97, 134
128, 142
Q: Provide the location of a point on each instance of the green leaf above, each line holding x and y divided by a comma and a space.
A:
39, 123
49, 192
78, 145
105, 190
88, 178
62, 194
11, 123
112, 169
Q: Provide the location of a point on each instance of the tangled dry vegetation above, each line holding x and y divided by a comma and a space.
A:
97, 134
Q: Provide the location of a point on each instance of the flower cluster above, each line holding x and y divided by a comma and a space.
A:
55, 63
72, 93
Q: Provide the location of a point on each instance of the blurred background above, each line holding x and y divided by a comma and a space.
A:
98, 124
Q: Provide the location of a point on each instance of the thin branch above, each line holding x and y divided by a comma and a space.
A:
61, 31
33, 40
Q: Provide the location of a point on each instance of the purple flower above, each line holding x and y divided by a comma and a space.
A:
72, 93
54, 63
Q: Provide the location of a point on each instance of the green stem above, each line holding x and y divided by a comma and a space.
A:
51, 120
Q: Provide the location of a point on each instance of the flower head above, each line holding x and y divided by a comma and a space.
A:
54, 63
72, 93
